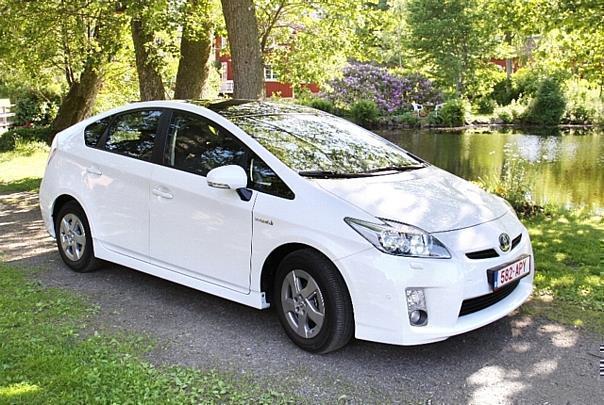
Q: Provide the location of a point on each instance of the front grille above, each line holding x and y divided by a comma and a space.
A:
482, 254
490, 253
484, 301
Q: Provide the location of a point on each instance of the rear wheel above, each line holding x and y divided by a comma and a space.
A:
74, 239
312, 302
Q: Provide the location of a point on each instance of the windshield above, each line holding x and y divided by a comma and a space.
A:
325, 145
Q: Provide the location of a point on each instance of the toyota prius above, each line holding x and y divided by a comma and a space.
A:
275, 205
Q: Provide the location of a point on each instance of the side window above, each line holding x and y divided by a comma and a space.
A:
195, 145
265, 180
133, 134
94, 131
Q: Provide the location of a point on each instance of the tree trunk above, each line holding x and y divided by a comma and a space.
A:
195, 47
242, 29
80, 98
150, 83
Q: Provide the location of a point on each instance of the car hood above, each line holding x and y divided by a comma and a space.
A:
429, 198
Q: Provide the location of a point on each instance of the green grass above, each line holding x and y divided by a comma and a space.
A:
22, 169
569, 257
45, 357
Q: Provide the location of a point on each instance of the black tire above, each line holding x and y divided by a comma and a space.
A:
86, 262
337, 327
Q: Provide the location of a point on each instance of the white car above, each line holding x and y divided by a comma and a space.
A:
269, 204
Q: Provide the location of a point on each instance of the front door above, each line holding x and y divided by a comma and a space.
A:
195, 229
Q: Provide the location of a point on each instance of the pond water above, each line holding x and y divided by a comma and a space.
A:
566, 167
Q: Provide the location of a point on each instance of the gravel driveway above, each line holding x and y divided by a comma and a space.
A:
515, 360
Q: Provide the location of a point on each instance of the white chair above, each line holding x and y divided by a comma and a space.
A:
417, 108
438, 107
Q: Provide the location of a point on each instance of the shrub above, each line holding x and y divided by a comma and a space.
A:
504, 92
10, 139
453, 113
583, 103
390, 92
321, 104
434, 119
514, 184
364, 112
485, 105
410, 119
35, 108
548, 105
512, 113
526, 82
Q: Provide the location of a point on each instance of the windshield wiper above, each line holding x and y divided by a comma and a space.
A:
395, 169
329, 174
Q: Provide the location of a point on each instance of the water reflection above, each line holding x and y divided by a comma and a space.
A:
567, 167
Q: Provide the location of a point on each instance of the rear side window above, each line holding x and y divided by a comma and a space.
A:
133, 134
195, 145
94, 131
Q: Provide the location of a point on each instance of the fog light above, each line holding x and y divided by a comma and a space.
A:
416, 306
418, 317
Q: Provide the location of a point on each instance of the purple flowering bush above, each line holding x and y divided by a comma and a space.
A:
391, 93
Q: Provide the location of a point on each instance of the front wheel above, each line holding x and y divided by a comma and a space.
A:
313, 302
73, 238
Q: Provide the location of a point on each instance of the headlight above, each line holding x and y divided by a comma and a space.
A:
400, 239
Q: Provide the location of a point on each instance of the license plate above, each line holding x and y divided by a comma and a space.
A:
503, 275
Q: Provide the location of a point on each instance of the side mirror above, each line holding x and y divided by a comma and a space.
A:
227, 177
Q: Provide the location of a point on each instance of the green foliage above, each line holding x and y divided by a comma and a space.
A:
485, 105
514, 184
410, 119
322, 104
453, 113
548, 105
453, 37
584, 105
512, 113
32, 107
316, 53
46, 358
10, 139
504, 92
364, 112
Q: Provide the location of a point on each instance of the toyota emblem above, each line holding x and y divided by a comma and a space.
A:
504, 242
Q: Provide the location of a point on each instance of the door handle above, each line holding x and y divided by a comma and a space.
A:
162, 193
94, 170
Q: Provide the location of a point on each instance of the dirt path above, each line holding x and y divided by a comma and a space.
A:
515, 360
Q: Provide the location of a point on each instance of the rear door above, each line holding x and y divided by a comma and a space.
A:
118, 179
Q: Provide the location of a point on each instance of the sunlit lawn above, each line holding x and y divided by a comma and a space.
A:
47, 356
23, 168
569, 281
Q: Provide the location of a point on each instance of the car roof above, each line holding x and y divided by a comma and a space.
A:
248, 108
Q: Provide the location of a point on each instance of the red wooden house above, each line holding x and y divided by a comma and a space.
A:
272, 85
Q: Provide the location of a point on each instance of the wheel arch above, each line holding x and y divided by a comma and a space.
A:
60, 201
269, 267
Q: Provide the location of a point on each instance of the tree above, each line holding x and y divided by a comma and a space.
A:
195, 47
242, 28
151, 85
310, 41
76, 38
453, 37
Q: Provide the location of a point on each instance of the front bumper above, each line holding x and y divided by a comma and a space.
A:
377, 284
